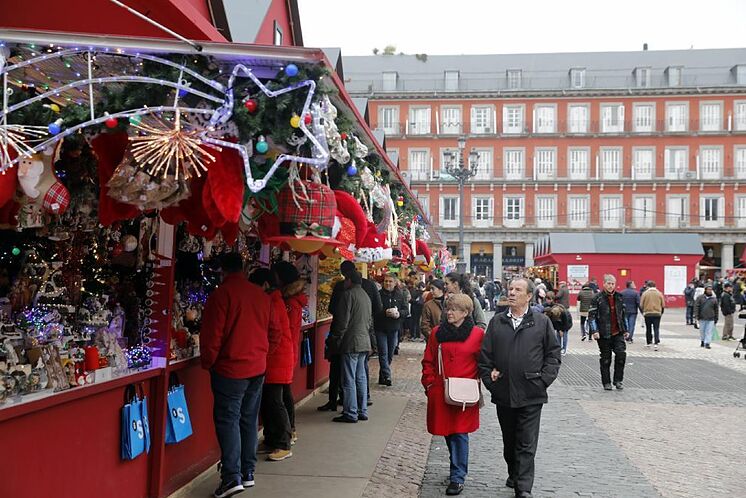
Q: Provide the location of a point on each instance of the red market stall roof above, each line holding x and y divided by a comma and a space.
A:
617, 243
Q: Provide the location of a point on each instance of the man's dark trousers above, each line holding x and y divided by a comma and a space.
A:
520, 430
616, 344
276, 419
236, 416
335, 379
653, 329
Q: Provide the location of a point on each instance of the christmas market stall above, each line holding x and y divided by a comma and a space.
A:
126, 168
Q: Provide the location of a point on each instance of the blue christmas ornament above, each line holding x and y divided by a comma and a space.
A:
182, 93
262, 146
352, 169
291, 70
56, 127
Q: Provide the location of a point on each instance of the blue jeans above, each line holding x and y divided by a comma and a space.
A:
562, 341
354, 385
236, 416
458, 450
386, 344
631, 319
705, 330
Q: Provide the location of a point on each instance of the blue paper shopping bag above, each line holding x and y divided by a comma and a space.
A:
133, 428
179, 426
305, 351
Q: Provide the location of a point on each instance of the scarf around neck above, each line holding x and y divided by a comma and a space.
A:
449, 333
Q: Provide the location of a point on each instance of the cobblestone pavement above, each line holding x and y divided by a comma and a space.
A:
675, 431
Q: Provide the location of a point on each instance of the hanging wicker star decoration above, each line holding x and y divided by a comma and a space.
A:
165, 148
18, 137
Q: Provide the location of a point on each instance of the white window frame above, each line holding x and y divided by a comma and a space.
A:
677, 211
451, 120
643, 117
442, 157
710, 115
448, 222
578, 211
739, 161
612, 117
674, 75
418, 163
576, 124
578, 163
511, 204
577, 77
643, 168
424, 200
417, 126
710, 162
676, 162
643, 213
643, 77
739, 210
709, 217
482, 214
610, 170
451, 80
511, 112
545, 118
612, 211
514, 79
391, 127
390, 81
739, 115
514, 169
740, 73
545, 163
485, 164
482, 119
677, 123
545, 211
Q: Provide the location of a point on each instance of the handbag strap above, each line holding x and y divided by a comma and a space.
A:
129, 393
440, 362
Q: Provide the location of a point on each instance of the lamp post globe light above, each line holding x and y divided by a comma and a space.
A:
461, 167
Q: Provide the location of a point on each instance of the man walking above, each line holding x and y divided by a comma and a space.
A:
652, 304
520, 358
689, 298
585, 296
234, 342
388, 325
350, 335
606, 318
631, 300
563, 295
728, 307
706, 314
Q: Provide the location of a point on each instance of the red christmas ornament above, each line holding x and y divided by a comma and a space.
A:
251, 105
343, 136
307, 119
111, 123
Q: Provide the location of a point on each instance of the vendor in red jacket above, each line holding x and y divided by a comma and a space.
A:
294, 293
277, 431
460, 342
234, 342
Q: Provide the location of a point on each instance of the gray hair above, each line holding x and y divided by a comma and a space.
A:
609, 278
529, 284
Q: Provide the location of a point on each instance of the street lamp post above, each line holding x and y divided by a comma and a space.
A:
462, 168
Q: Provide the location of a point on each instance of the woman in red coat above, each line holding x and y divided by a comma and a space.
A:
460, 342
279, 373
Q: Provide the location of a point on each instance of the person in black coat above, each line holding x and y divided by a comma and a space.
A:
388, 325
520, 359
609, 328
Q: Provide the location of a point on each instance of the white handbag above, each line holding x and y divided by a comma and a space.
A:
459, 391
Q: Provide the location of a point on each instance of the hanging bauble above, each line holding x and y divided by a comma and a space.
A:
56, 127
111, 122
261, 145
129, 243
343, 136
251, 106
291, 70
400, 201
53, 107
307, 119
352, 169
16, 251
135, 120
295, 121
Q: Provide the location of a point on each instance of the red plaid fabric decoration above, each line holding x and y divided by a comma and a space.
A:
320, 206
57, 199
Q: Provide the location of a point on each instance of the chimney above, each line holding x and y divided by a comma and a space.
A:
644, 46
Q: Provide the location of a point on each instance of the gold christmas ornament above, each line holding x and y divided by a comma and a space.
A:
170, 149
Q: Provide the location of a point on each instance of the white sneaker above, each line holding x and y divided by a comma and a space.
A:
655, 347
648, 345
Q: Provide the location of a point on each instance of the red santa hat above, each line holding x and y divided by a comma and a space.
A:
374, 247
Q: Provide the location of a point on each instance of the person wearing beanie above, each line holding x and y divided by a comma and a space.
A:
293, 294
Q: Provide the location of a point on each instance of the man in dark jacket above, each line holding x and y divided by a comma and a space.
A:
563, 295
388, 324
585, 296
631, 300
609, 328
728, 307
520, 358
706, 315
351, 338
234, 342
689, 298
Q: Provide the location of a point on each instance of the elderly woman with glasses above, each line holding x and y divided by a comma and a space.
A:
460, 342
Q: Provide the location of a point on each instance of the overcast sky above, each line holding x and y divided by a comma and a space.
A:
521, 26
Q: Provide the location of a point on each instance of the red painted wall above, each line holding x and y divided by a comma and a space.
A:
279, 12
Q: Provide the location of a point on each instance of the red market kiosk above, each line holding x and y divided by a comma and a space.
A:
669, 259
